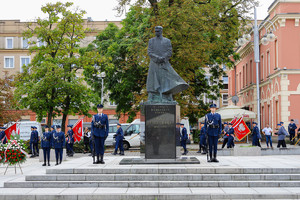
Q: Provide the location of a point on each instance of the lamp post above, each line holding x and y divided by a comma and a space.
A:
102, 76
268, 37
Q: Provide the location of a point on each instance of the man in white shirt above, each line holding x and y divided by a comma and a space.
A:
267, 131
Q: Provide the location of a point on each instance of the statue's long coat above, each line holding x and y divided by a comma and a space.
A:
162, 78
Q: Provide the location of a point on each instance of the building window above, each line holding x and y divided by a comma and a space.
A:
9, 43
240, 81
9, 62
268, 63
40, 43
225, 82
225, 99
24, 60
72, 121
24, 42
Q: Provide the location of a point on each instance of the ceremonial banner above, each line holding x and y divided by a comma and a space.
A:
241, 130
234, 120
12, 130
78, 129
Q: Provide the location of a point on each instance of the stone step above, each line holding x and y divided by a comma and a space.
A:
162, 177
150, 184
148, 193
172, 170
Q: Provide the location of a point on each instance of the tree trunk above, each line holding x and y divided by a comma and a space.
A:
49, 120
65, 113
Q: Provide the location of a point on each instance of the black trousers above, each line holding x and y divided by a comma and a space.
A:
224, 142
46, 152
292, 135
281, 142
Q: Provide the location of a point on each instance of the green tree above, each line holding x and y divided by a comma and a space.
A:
52, 84
7, 102
203, 36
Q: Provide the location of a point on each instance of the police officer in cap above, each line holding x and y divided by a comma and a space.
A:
46, 141
3, 139
202, 139
100, 127
292, 131
119, 140
184, 138
37, 143
230, 133
213, 127
70, 141
58, 144
255, 135
33, 142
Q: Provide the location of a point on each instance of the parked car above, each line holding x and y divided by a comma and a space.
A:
132, 134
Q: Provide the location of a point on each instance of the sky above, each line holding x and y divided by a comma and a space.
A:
98, 10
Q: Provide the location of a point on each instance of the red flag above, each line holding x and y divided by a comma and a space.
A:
77, 129
241, 130
234, 120
11, 130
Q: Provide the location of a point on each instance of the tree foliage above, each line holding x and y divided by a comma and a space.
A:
52, 84
203, 36
7, 102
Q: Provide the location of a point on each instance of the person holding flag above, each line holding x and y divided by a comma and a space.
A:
3, 138
230, 143
213, 127
100, 128
58, 143
46, 140
70, 141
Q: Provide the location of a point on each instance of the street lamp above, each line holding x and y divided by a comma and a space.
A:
268, 37
102, 76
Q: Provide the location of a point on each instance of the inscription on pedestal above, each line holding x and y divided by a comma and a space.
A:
160, 122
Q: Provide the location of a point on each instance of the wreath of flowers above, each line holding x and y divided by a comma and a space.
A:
13, 152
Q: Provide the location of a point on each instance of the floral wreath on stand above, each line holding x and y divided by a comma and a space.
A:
13, 152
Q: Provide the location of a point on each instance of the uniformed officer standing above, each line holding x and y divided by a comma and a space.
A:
46, 140
100, 127
38, 140
281, 135
202, 139
255, 135
33, 142
58, 144
119, 140
70, 141
292, 131
230, 133
184, 138
3, 138
213, 127
225, 137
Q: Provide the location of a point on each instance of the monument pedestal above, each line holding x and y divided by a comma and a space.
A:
158, 142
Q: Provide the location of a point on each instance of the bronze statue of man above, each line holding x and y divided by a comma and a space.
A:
162, 82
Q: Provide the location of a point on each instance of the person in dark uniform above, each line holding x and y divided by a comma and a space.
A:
255, 135
100, 128
46, 140
33, 142
177, 131
70, 141
59, 140
3, 138
184, 138
225, 137
86, 140
202, 139
119, 140
230, 133
281, 135
38, 139
292, 131
213, 127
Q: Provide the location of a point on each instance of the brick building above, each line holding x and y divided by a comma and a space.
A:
279, 70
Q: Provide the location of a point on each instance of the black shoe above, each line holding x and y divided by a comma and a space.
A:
183, 153
210, 160
203, 153
56, 164
97, 161
114, 153
32, 156
60, 162
48, 164
122, 153
102, 161
198, 151
215, 160
44, 164
90, 154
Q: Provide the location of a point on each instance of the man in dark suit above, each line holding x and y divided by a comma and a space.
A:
184, 138
213, 127
100, 128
